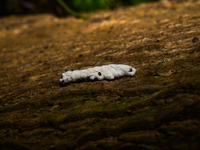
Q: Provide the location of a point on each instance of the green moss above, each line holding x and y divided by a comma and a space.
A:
142, 90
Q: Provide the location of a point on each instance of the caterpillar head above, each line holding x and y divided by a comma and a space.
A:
65, 79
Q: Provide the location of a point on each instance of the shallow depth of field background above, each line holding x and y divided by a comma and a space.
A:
9, 7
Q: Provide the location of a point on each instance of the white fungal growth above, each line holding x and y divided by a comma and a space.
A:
107, 72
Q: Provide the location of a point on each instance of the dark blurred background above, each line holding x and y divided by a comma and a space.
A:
19, 7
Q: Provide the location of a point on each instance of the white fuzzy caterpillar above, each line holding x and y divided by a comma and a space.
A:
108, 72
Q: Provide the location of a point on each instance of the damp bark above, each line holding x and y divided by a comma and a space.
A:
158, 108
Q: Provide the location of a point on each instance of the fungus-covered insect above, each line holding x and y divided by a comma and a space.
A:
106, 72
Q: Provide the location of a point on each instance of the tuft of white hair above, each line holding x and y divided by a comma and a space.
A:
105, 72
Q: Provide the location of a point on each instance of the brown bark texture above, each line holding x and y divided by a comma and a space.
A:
158, 108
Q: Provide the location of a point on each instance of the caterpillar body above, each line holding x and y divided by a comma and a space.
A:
105, 72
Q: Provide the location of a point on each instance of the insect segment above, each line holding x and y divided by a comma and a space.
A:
105, 72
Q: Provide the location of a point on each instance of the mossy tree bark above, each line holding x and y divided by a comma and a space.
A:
156, 109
